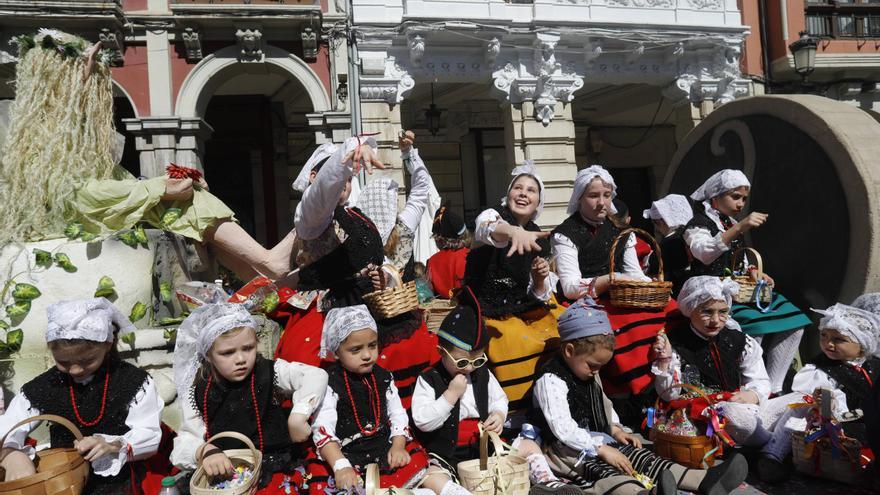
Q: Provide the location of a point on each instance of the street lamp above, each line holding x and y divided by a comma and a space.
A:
804, 52
432, 115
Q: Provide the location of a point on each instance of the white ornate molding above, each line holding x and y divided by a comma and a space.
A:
115, 42
389, 82
250, 45
491, 50
656, 4
709, 74
192, 43
416, 43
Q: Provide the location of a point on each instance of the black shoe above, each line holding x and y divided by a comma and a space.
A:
666, 484
554, 487
723, 479
772, 471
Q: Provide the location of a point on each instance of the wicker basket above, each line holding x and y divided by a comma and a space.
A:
634, 293
505, 473
372, 486
436, 311
747, 286
200, 482
59, 471
697, 452
388, 303
846, 468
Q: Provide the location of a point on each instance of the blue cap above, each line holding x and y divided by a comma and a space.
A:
584, 318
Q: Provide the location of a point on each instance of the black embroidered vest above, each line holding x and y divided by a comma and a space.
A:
359, 449
501, 282
231, 408
594, 247
700, 367
585, 400
717, 267
337, 271
854, 385
50, 394
443, 440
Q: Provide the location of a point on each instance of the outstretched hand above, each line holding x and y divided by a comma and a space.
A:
364, 155
525, 241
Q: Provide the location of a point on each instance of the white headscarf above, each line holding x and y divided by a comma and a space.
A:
868, 302
340, 323
527, 168
324, 151
378, 201
698, 290
93, 319
583, 179
197, 334
674, 209
720, 183
860, 325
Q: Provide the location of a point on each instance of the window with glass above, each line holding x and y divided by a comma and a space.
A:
843, 18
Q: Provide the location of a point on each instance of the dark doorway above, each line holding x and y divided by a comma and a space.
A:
122, 109
239, 162
634, 188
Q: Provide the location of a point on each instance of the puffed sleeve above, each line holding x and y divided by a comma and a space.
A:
551, 397
307, 384
485, 225
190, 436
18, 410
143, 436
429, 412
315, 212
703, 245
421, 182
753, 371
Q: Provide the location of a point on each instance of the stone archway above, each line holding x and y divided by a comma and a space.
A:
199, 85
812, 161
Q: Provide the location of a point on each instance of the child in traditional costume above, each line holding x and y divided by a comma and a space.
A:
460, 395
582, 250
643, 249
361, 420
337, 248
223, 384
510, 276
408, 348
670, 214
709, 351
712, 236
583, 438
446, 267
114, 404
848, 366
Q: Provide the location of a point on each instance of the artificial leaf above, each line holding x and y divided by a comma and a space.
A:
43, 258
138, 311
170, 334
165, 291
170, 216
270, 302
74, 230
25, 292
168, 320
14, 340
129, 339
4, 325
140, 234
88, 237
128, 238
64, 262
18, 309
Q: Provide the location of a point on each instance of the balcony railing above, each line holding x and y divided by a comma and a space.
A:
244, 2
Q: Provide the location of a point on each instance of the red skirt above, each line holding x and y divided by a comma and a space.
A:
408, 358
635, 330
301, 340
319, 477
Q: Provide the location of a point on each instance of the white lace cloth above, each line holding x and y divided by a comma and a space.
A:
583, 179
340, 323
719, 183
674, 209
95, 320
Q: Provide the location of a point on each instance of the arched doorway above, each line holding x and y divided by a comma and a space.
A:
123, 109
812, 163
260, 132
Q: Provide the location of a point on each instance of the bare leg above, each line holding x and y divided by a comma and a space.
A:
236, 243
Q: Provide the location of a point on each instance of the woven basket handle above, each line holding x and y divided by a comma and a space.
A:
755, 254
686, 386
44, 417
372, 479
484, 447
640, 233
395, 274
227, 434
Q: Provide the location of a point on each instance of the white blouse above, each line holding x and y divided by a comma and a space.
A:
421, 184
429, 412
809, 378
551, 396
324, 423
703, 245
314, 213
751, 369
565, 252
486, 223
142, 438
304, 384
